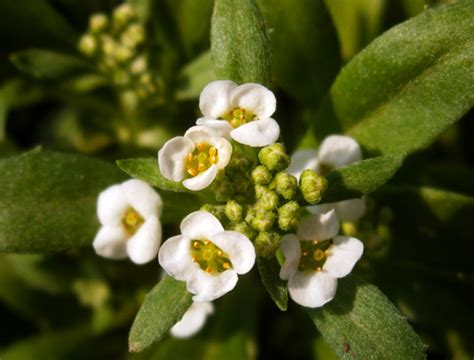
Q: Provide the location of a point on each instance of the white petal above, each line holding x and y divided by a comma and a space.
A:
224, 153
255, 98
214, 100
322, 209
312, 289
290, 246
338, 150
239, 248
257, 133
208, 287
302, 160
319, 227
193, 320
200, 225
344, 253
110, 242
222, 127
143, 198
350, 210
172, 157
175, 257
203, 134
112, 205
201, 181
143, 246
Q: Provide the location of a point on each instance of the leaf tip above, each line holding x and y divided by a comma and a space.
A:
134, 347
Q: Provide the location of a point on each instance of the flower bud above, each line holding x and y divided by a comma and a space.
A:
312, 186
261, 175
274, 157
98, 22
234, 211
133, 36
223, 189
246, 230
123, 53
88, 45
285, 185
123, 14
267, 243
266, 199
263, 220
216, 210
289, 216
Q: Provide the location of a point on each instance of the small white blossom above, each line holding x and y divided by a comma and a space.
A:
241, 112
193, 320
316, 257
335, 151
129, 214
195, 157
206, 256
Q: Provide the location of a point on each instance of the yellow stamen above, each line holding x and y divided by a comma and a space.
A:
318, 255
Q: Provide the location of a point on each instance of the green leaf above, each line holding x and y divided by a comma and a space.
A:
47, 64
361, 322
240, 46
269, 270
8, 92
303, 38
49, 200
147, 169
408, 86
194, 77
164, 306
360, 178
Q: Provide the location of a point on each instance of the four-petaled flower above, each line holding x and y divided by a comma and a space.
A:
129, 214
206, 256
315, 258
243, 112
335, 151
195, 157
193, 320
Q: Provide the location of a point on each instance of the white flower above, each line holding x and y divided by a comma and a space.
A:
315, 258
243, 112
129, 214
206, 257
195, 157
335, 151
193, 320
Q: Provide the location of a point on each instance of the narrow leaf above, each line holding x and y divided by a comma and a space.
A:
164, 306
269, 273
361, 322
408, 86
48, 200
360, 178
240, 46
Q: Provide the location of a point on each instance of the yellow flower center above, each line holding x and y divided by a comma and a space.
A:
201, 159
238, 117
313, 255
132, 221
210, 257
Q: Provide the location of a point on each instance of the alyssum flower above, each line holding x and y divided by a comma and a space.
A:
129, 214
243, 112
315, 258
335, 151
206, 256
193, 320
195, 157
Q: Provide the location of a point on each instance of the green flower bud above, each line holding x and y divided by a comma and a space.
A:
133, 36
274, 157
98, 22
289, 216
234, 211
88, 45
223, 190
123, 53
267, 243
217, 210
245, 229
123, 14
312, 186
263, 220
268, 200
261, 175
285, 185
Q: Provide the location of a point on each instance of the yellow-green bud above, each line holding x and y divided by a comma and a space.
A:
267, 199
108, 45
289, 216
133, 36
246, 230
98, 22
234, 211
285, 185
88, 45
261, 175
123, 53
217, 210
123, 14
274, 157
312, 186
263, 220
267, 243
223, 190
138, 65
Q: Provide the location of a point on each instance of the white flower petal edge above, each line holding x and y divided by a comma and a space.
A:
254, 97
202, 134
238, 247
290, 246
111, 205
200, 225
301, 160
172, 157
175, 257
143, 246
345, 252
319, 227
207, 287
312, 290
142, 197
201, 181
193, 320
110, 242
214, 100
257, 133
339, 150
346, 210
222, 127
